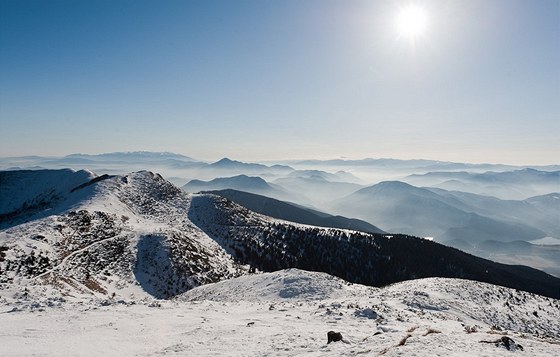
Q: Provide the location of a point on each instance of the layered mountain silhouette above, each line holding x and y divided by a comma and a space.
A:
399, 207
230, 166
252, 184
294, 213
318, 185
515, 184
539, 211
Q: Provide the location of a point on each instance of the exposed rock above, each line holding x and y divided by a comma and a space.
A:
333, 337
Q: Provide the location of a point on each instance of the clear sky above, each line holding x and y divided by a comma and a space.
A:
282, 79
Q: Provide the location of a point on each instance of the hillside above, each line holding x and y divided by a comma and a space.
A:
534, 254
138, 235
24, 193
289, 313
251, 184
118, 236
294, 213
370, 259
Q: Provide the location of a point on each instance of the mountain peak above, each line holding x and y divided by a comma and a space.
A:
240, 182
388, 187
225, 160
227, 163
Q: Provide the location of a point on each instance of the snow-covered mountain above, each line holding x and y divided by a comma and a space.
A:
111, 235
139, 234
454, 298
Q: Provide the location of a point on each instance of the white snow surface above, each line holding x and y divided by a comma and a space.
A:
291, 284
251, 316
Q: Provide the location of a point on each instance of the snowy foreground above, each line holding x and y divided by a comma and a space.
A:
289, 313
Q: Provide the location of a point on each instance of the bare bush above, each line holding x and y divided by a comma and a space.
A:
431, 330
403, 340
471, 329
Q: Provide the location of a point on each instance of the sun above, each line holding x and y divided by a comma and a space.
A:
411, 21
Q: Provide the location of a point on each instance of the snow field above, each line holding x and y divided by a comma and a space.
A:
219, 322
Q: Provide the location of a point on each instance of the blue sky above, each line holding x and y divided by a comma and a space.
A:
288, 79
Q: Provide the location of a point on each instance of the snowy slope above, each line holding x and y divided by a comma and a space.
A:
25, 193
457, 299
121, 236
251, 316
292, 284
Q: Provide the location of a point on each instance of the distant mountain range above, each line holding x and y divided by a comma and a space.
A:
418, 165
400, 207
543, 257
541, 212
160, 158
132, 156
516, 184
339, 176
319, 186
467, 221
229, 165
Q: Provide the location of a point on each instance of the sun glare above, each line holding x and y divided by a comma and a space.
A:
411, 21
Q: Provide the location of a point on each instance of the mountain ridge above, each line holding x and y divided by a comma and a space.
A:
293, 213
140, 235
397, 206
